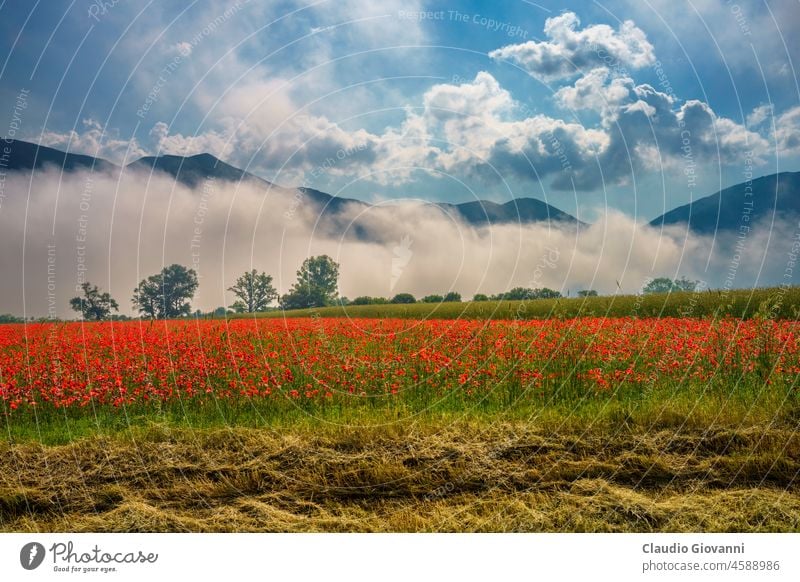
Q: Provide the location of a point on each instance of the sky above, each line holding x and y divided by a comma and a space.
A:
632, 107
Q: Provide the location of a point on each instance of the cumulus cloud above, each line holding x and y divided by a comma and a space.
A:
640, 128
647, 131
570, 50
594, 91
487, 140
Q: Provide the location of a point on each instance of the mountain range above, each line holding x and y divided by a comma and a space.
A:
764, 198
742, 205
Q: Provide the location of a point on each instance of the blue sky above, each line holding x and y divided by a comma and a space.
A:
636, 106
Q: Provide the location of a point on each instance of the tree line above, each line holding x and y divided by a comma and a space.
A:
517, 293
168, 294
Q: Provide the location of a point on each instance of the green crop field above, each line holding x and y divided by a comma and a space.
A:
776, 302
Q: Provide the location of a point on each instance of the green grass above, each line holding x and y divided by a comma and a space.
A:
777, 302
657, 408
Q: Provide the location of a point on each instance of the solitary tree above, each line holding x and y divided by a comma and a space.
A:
93, 305
480, 297
587, 293
453, 297
316, 285
254, 291
166, 294
432, 299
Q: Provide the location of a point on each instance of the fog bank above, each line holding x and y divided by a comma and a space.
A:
57, 230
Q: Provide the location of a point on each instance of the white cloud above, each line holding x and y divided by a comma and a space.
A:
787, 132
593, 91
647, 131
95, 140
570, 51
640, 129
759, 115
211, 142
482, 137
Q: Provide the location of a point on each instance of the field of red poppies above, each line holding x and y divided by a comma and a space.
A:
315, 362
315, 424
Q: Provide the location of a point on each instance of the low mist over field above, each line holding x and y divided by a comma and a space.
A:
60, 229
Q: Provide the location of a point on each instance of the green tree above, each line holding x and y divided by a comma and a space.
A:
587, 293
658, 285
480, 297
432, 299
93, 305
367, 300
254, 292
518, 294
684, 284
316, 285
667, 285
403, 298
166, 294
9, 318
546, 293
453, 297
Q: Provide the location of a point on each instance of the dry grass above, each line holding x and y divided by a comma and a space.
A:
469, 476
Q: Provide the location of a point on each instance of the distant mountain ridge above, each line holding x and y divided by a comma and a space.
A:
722, 211
193, 170
24, 155
741, 205
522, 210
